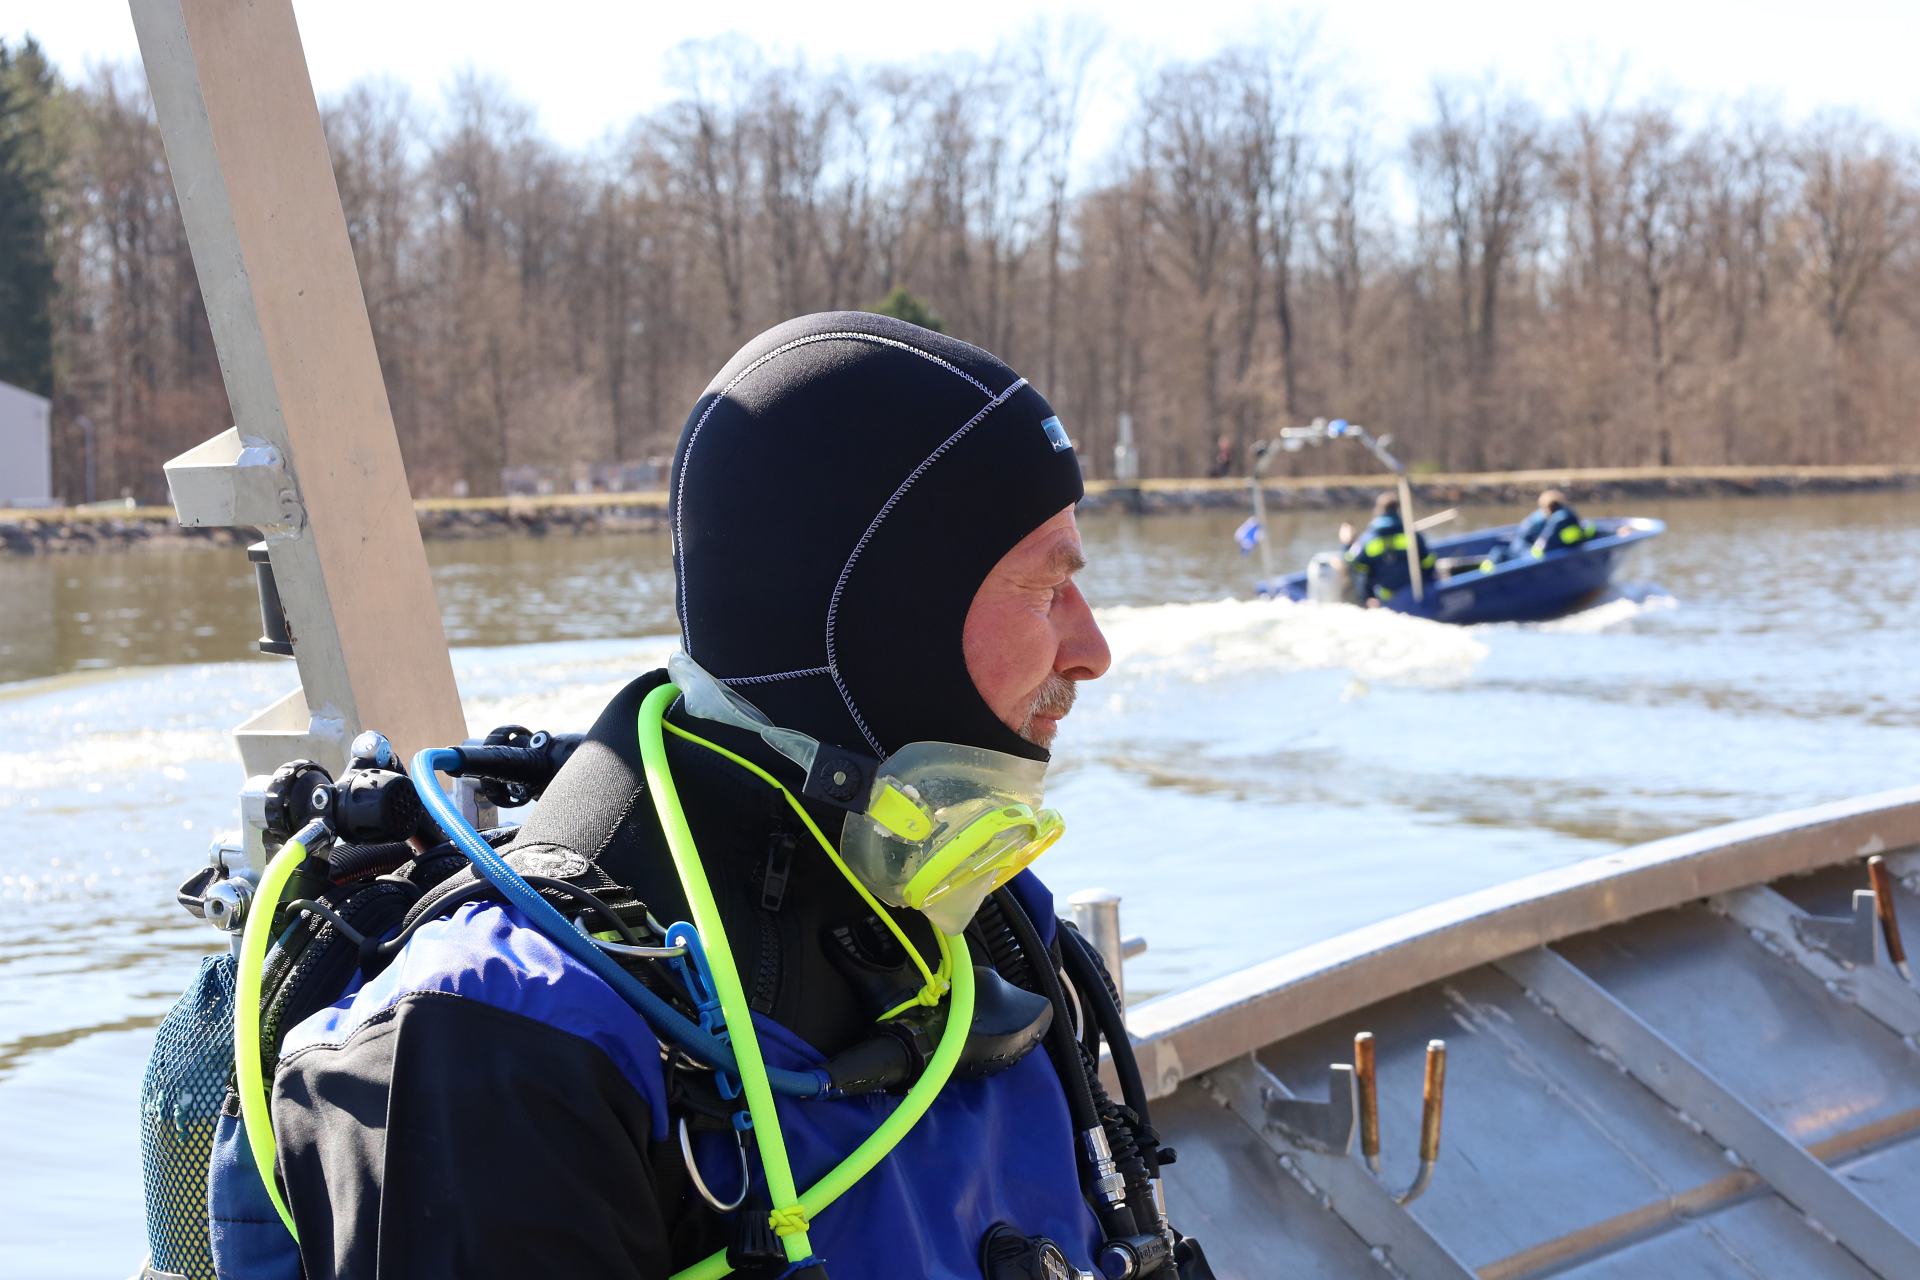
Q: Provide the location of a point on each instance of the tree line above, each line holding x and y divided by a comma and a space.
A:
1622, 283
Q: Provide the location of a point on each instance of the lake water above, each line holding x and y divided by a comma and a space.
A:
1251, 777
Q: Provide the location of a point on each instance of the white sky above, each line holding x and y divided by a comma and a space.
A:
591, 65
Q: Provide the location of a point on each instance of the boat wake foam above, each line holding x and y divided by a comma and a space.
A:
1228, 639
1616, 608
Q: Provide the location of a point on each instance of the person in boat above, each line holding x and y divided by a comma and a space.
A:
1378, 556
875, 551
1553, 525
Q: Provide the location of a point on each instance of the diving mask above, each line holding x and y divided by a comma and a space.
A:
934, 827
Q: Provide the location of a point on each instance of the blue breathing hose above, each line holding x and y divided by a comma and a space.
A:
666, 1022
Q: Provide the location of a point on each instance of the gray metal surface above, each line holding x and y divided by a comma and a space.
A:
1763, 1238
1590, 1134
1231, 1191
1185, 1033
1779, 925
1395, 1236
1809, 1061
1686, 1086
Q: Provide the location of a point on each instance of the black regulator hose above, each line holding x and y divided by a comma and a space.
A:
1064, 1050
1095, 984
352, 861
1002, 948
1089, 1024
1089, 972
1124, 1134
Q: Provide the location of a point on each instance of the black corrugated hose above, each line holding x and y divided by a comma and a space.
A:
1062, 1048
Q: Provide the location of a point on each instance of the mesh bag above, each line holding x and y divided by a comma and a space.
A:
179, 1106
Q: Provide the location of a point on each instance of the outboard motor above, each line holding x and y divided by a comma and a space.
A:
1328, 579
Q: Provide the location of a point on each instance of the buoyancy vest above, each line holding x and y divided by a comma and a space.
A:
989, 1152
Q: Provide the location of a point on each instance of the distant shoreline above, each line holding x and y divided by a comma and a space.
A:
61, 530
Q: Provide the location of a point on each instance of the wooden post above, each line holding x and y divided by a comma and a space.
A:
263, 217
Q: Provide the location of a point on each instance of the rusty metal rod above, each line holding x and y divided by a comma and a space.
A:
1882, 881
1365, 1072
1433, 1095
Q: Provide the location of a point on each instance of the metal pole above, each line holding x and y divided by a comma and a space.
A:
1413, 536
313, 461
1262, 452
1096, 913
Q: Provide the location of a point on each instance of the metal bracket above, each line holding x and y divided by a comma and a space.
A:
1369, 1209
473, 806
1853, 940
1778, 922
1326, 1127
290, 730
235, 480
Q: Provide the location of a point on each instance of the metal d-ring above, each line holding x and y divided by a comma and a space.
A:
626, 948
700, 1183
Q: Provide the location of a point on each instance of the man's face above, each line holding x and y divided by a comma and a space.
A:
1030, 635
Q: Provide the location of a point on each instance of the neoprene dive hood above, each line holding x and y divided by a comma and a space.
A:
839, 493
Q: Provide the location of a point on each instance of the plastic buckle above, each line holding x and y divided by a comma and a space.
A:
706, 998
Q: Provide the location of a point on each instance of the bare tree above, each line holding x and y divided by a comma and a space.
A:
710, 133
1478, 165
1626, 282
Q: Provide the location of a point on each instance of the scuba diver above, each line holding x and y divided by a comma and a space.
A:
873, 1051
1378, 556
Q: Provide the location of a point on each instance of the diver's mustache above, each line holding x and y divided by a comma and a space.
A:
1055, 697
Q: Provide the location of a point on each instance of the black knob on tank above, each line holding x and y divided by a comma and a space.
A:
299, 792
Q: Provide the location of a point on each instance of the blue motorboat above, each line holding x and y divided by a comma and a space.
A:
1474, 578
1467, 586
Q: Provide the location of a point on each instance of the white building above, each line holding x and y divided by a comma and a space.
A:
26, 448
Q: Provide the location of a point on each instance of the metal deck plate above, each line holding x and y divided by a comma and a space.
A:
1811, 1063
1228, 1190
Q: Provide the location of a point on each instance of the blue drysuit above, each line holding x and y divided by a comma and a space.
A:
485, 1106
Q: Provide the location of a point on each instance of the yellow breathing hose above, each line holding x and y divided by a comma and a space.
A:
255, 1112
791, 1209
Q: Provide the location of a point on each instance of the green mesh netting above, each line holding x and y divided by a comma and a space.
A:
179, 1106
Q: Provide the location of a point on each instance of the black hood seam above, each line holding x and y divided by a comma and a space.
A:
886, 509
680, 488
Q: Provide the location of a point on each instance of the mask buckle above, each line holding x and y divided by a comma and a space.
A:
839, 777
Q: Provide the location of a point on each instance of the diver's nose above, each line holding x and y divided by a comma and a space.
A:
1083, 653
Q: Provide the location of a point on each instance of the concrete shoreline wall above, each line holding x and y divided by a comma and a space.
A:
57, 530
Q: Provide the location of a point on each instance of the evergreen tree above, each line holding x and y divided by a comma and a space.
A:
26, 261
902, 305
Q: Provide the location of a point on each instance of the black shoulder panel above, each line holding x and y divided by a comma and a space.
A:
450, 1138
